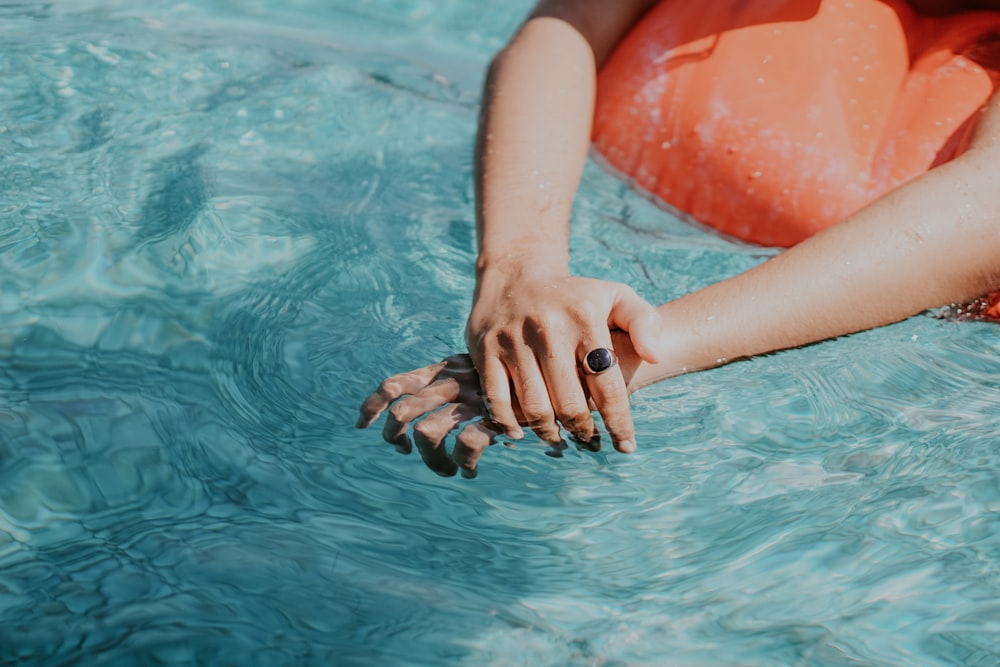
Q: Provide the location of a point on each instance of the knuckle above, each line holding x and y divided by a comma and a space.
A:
535, 412
577, 421
494, 386
497, 406
426, 430
468, 448
399, 412
586, 310
615, 409
391, 386
613, 393
484, 345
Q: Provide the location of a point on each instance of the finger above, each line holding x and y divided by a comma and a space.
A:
533, 396
396, 433
430, 433
395, 387
410, 408
610, 396
470, 444
566, 395
631, 313
497, 397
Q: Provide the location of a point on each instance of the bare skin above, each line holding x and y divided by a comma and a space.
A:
532, 322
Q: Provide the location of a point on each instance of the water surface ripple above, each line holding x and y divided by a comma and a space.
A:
225, 221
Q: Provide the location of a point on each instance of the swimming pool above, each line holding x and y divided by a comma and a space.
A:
225, 221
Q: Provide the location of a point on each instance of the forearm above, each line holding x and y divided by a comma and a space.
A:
532, 144
932, 242
534, 129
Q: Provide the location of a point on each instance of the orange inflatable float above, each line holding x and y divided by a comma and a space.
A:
772, 120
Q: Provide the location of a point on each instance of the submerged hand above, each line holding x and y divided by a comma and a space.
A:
529, 334
442, 397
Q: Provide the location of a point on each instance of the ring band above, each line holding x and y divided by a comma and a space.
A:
599, 360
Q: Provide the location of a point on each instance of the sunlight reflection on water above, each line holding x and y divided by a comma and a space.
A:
225, 222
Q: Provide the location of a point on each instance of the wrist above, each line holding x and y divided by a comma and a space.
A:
678, 352
516, 263
639, 373
526, 258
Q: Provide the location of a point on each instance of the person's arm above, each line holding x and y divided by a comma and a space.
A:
531, 322
931, 242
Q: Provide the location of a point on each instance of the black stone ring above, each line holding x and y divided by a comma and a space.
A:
599, 360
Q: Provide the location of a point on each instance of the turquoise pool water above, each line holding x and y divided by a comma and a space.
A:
224, 222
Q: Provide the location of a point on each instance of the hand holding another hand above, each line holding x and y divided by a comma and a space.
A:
529, 334
438, 399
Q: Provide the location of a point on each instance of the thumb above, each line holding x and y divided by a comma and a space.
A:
631, 313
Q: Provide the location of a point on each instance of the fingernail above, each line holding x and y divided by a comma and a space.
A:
626, 446
515, 433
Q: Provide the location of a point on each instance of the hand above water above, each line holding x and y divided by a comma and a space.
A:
528, 334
